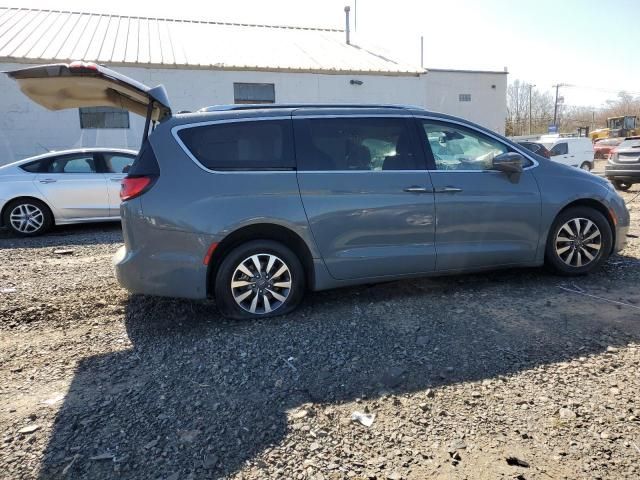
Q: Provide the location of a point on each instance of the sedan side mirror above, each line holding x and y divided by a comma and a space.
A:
509, 163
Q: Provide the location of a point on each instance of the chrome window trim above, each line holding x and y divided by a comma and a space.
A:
351, 115
363, 171
178, 128
515, 147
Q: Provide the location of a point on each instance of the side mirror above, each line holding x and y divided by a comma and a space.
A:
509, 163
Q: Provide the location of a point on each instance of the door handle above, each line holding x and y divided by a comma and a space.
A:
48, 180
416, 189
448, 190
116, 180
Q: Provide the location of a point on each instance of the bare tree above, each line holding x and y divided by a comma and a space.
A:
518, 109
569, 117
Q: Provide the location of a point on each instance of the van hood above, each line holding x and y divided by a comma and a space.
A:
60, 86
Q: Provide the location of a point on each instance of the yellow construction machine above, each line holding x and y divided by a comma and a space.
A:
618, 127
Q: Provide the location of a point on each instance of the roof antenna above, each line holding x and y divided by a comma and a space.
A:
347, 30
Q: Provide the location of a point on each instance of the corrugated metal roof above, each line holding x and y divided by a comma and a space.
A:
37, 36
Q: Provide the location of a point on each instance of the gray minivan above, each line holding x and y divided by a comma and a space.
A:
254, 204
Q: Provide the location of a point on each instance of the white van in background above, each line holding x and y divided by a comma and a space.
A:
572, 151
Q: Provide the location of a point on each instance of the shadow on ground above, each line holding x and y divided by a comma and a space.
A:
199, 395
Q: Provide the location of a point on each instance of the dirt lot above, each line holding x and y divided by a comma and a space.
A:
503, 375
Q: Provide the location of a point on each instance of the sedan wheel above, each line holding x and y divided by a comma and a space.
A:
27, 217
622, 186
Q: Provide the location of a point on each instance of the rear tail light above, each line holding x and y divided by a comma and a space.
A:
142, 175
132, 187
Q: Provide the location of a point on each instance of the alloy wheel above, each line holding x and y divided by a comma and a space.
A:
261, 283
578, 242
26, 218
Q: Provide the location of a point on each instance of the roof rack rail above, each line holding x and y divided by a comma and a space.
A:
263, 106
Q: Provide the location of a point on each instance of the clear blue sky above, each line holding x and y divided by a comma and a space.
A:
585, 43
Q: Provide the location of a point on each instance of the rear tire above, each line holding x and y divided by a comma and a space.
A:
259, 279
579, 241
27, 217
620, 185
586, 166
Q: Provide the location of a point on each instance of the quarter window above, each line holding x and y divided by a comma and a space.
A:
374, 144
33, 167
72, 164
103, 117
252, 145
117, 163
560, 149
459, 148
254, 93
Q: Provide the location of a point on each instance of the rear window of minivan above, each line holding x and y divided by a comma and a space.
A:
242, 145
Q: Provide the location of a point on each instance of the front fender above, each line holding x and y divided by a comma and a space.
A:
561, 187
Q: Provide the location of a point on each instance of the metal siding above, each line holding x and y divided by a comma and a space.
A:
68, 46
131, 54
168, 55
66, 29
105, 54
97, 39
35, 36
120, 42
22, 34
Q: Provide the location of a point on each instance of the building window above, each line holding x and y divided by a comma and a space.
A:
254, 93
464, 97
103, 117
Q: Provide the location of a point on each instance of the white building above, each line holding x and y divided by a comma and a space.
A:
207, 63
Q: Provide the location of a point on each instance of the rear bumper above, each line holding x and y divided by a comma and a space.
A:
159, 261
152, 274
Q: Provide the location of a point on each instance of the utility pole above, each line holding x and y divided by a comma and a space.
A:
555, 108
530, 87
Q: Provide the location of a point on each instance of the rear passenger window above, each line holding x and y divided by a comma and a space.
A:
117, 163
253, 145
355, 144
72, 164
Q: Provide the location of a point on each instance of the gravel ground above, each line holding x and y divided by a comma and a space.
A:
501, 375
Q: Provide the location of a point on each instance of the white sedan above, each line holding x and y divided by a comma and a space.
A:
57, 188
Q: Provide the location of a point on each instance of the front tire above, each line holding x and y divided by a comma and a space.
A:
27, 217
259, 279
586, 166
620, 185
579, 241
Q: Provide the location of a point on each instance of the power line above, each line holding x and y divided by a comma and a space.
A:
600, 89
